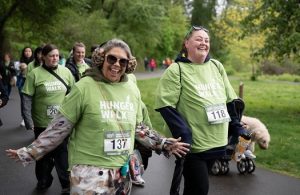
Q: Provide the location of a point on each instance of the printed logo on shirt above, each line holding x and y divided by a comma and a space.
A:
52, 86
116, 110
208, 90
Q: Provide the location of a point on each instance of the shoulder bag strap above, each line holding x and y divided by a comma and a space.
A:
59, 78
179, 67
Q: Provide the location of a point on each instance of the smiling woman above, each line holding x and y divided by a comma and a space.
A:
77, 63
113, 59
195, 98
42, 95
103, 116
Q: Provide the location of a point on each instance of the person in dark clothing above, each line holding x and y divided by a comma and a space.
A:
7, 73
93, 47
37, 55
3, 98
195, 98
77, 63
26, 55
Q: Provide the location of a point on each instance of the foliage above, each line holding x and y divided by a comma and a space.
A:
67, 32
204, 14
154, 28
26, 20
272, 67
276, 104
172, 33
151, 28
228, 26
279, 20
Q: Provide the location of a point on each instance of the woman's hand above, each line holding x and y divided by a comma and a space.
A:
176, 147
12, 154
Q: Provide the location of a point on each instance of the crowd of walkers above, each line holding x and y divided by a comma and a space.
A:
90, 123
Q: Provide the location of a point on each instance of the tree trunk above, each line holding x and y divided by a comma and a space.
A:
3, 20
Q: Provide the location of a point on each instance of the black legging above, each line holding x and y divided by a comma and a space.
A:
58, 158
195, 174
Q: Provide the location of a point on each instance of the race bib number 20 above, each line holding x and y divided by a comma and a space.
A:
52, 110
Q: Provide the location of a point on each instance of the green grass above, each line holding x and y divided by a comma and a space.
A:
276, 104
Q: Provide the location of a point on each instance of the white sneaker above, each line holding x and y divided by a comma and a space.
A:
138, 181
22, 123
249, 154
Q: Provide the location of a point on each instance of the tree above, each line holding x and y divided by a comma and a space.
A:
279, 21
172, 32
152, 28
204, 13
6, 11
228, 26
24, 20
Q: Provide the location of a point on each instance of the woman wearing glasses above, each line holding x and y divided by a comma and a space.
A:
192, 97
103, 115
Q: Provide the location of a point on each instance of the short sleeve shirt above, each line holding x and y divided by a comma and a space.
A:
191, 88
99, 109
47, 93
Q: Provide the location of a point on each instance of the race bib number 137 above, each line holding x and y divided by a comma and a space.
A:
117, 143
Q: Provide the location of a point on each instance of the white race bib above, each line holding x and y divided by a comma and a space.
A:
117, 143
217, 114
52, 110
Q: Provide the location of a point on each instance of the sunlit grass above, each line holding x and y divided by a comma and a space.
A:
276, 104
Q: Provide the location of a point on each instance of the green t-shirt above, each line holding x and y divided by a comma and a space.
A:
200, 86
81, 68
30, 67
47, 93
105, 116
146, 118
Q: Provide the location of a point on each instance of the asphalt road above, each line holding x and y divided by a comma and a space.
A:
17, 180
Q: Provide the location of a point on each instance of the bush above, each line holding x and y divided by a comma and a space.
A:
269, 67
229, 70
274, 68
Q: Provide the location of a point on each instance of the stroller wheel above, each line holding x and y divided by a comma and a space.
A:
224, 167
216, 168
251, 165
242, 166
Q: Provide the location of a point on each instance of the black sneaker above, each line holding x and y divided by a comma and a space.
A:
43, 186
65, 191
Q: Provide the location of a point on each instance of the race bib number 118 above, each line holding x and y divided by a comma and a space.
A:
217, 114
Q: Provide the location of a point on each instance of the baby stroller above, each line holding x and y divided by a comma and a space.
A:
245, 161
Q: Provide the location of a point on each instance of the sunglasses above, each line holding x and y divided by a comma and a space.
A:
195, 28
111, 59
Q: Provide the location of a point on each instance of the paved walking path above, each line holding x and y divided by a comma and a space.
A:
148, 75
